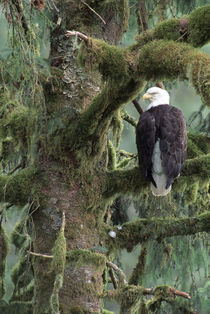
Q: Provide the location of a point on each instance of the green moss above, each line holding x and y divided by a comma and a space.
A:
59, 252
112, 156
163, 60
191, 192
117, 127
54, 299
4, 248
18, 236
123, 163
138, 272
21, 273
107, 312
199, 26
84, 257
198, 167
169, 29
24, 294
18, 187
108, 59
200, 141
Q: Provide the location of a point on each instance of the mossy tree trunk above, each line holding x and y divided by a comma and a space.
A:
63, 166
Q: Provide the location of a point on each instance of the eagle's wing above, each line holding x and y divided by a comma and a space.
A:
173, 142
145, 141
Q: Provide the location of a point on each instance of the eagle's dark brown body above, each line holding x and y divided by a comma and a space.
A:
166, 124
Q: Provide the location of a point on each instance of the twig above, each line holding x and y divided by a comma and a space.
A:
14, 169
120, 273
112, 276
181, 36
160, 85
137, 106
94, 11
180, 293
75, 33
40, 255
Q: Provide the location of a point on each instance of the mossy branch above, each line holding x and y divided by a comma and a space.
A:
131, 181
141, 230
130, 296
193, 29
128, 181
17, 188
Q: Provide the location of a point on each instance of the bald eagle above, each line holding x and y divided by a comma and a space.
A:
161, 141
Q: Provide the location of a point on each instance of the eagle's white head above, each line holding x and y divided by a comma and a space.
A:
156, 96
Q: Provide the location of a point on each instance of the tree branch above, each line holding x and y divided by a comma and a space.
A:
130, 296
120, 273
141, 230
124, 182
74, 33
131, 181
137, 106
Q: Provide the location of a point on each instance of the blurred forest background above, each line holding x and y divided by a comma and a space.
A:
183, 258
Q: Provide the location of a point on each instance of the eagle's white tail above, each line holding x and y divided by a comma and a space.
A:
158, 174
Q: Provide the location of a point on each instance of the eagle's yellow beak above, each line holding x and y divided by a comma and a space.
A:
146, 96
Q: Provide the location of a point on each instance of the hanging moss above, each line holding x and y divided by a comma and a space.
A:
138, 272
24, 294
200, 141
199, 26
21, 273
18, 187
112, 156
117, 127
54, 299
59, 252
191, 192
4, 248
18, 237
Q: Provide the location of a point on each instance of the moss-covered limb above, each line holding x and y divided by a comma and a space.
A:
197, 145
138, 271
17, 188
161, 60
131, 297
122, 278
131, 181
142, 230
198, 166
193, 29
94, 123
168, 294
128, 181
4, 248
125, 116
